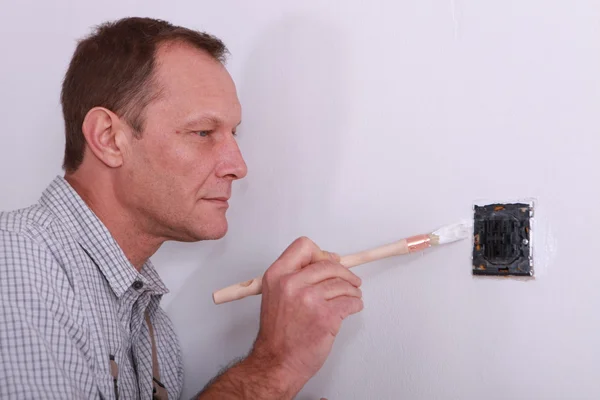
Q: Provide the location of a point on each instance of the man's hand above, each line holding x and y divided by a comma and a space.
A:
306, 294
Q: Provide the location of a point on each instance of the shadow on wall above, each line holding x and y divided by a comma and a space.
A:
292, 96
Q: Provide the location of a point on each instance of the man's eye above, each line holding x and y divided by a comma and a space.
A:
203, 133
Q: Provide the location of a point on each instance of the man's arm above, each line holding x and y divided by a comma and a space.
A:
250, 378
306, 295
38, 356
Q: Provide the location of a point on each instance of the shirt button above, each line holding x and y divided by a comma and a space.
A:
137, 285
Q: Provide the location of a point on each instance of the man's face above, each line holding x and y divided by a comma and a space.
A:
177, 178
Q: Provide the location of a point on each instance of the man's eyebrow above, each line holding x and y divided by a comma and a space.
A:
205, 119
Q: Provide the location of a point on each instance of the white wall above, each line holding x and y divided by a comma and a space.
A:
365, 122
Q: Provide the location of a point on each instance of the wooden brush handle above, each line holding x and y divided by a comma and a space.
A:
254, 286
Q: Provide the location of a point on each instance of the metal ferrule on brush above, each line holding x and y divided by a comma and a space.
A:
418, 243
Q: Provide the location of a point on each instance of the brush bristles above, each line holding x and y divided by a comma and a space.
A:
434, 240
453, 233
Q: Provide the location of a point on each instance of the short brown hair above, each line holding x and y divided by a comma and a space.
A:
113, 68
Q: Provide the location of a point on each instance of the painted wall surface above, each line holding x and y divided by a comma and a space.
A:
365, 122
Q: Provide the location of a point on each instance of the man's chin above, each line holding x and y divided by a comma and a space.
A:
214, 232
214, 235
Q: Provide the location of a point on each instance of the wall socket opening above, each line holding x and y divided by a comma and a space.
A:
502, 239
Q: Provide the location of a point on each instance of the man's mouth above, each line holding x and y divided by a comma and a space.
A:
217, 198
219, 201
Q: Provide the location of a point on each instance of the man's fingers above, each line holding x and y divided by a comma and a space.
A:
321, 271
335, 287
300, 253
346, 305
327, 256
335, 256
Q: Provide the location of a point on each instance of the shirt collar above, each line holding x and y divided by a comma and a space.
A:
93, 236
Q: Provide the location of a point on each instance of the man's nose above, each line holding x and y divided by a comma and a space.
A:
232, 162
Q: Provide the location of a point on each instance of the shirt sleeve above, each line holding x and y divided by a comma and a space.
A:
41, 347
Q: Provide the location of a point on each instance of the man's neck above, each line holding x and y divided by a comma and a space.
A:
137, 245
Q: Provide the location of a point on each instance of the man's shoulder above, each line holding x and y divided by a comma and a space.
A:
34, 253
29, 221
27, 234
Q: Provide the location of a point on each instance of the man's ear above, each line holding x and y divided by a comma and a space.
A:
104, 135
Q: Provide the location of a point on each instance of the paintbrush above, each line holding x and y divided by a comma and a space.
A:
444, 235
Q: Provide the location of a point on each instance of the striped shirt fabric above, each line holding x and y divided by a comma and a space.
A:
73, 308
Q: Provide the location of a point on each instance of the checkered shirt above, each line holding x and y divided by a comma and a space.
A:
70, 301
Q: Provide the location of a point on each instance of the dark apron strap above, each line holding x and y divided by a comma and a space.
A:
160, 391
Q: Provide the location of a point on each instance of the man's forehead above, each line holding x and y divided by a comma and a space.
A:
190, 80
183, 60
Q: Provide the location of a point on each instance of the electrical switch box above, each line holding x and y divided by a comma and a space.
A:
502, 242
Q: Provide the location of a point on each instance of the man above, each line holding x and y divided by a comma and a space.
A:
150, 118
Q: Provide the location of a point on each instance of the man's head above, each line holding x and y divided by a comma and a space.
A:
150, 116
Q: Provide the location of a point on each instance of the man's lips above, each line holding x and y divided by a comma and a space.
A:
222, 201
